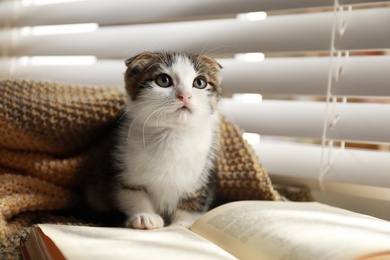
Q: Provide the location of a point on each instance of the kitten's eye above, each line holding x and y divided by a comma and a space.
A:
200, 82
163, 80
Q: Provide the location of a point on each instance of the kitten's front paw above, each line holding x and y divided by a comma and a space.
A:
145, 221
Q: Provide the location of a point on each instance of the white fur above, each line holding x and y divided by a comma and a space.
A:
164, 148
184, 218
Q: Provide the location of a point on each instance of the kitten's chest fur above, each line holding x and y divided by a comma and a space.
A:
169, 162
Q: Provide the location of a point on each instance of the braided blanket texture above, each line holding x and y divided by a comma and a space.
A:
50, 135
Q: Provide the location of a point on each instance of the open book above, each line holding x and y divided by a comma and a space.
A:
244, 230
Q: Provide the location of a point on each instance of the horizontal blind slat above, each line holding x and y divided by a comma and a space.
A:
347, 174
280, 76
363, 76
124, 11
302, 32
360, 76
103, 72
362, 122
277, 118
276, 76
357, 121
223, 36
365, 30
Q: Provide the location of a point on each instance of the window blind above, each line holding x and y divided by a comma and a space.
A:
310, 77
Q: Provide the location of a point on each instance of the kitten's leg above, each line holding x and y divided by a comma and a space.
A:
138, 208
185, 218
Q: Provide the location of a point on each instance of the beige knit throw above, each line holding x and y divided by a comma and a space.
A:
49, 135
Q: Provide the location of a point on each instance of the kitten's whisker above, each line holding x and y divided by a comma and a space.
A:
153, 64
214, 50
169, 106
164, 58
122, 116
204, 47
161, 116
143, 127
140, 113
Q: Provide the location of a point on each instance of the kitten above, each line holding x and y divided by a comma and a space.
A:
165, 152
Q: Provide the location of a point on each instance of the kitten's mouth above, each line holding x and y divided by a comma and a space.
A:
184, 109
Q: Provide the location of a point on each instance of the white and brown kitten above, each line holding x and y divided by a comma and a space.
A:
165, 152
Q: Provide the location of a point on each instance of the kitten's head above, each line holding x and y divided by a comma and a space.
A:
171, 88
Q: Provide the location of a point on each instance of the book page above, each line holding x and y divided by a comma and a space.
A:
80, 242
293, 230
39, 246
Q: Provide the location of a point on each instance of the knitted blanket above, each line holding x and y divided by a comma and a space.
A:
50, 135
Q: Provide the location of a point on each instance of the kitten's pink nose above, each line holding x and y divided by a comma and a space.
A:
184, 97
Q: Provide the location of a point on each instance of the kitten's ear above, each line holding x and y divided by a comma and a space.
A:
130, 60
139, 59
215, 62
210, 61
135, 68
